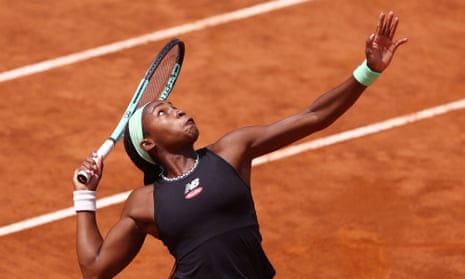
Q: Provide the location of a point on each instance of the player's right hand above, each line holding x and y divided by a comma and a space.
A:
93, 166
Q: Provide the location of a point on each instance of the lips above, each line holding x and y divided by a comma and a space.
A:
189, 121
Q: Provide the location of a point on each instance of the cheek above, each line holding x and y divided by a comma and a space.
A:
156, 127
165, 134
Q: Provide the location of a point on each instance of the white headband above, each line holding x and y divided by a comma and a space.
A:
137, 134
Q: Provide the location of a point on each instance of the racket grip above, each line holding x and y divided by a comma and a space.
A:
83, 177
102, 152
105, 148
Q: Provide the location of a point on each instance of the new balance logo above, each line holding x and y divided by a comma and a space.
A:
192, 189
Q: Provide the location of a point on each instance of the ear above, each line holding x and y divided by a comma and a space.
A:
147, 144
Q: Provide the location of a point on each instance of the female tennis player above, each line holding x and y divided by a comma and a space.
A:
198, 202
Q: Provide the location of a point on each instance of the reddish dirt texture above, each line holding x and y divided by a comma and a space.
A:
386, 205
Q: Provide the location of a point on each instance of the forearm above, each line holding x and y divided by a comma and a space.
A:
332, 104
379, 51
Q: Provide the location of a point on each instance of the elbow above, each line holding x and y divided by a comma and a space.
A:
90, 271
322, 121
326, 123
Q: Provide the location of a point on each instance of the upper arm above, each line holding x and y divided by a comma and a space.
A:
121, 245
254, 141
122, 242
268, 138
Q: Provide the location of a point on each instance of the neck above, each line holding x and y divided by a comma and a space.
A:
181, 167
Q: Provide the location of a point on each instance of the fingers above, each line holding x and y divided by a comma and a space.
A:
379, 26
393, 28
398, 43
387, 26
380, 46
370, 39
92, 166
92, 163
389, 30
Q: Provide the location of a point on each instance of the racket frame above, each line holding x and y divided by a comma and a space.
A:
109, 144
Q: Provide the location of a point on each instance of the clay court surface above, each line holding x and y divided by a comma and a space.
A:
390, 204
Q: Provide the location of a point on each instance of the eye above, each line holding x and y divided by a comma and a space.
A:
161, 112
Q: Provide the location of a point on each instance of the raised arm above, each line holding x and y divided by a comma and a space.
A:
247, 143
99, 257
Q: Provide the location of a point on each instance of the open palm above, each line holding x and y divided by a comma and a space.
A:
380, 47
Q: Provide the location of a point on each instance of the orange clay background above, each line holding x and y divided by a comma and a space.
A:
387, 205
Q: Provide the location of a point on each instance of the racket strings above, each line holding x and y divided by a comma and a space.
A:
160, 78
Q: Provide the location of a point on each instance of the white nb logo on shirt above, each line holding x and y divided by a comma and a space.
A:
192, 185
192, 189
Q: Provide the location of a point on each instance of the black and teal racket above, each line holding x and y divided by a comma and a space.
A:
157, 83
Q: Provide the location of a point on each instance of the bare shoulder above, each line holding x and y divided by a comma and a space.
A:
143, 192
233, 144
140, 207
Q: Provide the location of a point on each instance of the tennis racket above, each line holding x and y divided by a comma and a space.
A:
157, 83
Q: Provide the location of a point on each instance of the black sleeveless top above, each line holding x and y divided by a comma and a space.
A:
207, 221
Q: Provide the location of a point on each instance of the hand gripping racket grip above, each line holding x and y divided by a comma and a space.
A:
102, 152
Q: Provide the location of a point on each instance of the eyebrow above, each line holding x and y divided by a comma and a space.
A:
159, 104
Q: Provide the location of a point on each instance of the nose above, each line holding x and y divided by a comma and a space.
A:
180, 113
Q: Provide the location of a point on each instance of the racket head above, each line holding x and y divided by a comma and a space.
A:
157, 83
163, 72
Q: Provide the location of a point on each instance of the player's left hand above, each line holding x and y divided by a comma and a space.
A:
380, 46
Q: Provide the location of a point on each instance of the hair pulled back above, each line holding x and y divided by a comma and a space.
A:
151, 171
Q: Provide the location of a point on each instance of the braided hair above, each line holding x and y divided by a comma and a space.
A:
151, 171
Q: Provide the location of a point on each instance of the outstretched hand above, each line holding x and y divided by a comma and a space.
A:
380, 47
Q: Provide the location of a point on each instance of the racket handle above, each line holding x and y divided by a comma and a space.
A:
102, 152
106, 148
83, 177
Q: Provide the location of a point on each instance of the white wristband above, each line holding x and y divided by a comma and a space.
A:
84, 200
365, 75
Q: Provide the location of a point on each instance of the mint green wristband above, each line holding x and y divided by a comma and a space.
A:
365, 75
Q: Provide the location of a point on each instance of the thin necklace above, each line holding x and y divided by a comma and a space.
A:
181, 176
